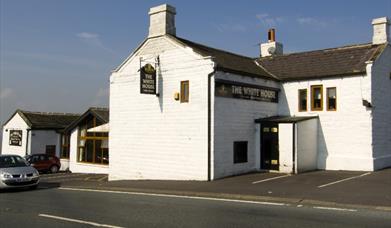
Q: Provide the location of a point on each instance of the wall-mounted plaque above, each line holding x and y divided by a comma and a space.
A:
231, 89
148, 79
15, 138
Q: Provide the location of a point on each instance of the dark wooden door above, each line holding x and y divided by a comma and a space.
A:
269, 146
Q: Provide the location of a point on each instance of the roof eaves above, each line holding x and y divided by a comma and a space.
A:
352, 74
130, 56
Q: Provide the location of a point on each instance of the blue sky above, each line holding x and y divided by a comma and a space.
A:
57, 55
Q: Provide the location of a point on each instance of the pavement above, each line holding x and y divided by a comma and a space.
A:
340, 189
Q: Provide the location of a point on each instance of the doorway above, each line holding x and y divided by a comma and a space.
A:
269, 146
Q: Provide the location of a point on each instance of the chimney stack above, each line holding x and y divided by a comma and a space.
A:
272, 47
162, 20
381, 30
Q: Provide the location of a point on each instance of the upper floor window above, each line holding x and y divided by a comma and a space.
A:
331, 99
316, 98
302, 100
184, 91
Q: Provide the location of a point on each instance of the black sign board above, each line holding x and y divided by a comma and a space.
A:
148, 79
15, 138
224, 88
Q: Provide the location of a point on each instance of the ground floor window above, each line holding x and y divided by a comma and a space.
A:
92, 146
64, 146
240, 152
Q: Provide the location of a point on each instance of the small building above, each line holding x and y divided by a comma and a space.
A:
88, 150
28, 133
181, 110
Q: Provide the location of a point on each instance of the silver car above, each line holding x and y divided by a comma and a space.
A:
15, 172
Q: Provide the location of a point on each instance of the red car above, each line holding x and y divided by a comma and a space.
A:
44, 162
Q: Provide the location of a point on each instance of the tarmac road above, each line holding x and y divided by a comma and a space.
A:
67, 207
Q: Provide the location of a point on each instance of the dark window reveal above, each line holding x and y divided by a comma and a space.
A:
240, 152
302, 100
316, 98
331, 99
184, 91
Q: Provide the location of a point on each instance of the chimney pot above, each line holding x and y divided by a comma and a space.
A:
272, 35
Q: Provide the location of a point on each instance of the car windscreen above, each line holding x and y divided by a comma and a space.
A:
12, 161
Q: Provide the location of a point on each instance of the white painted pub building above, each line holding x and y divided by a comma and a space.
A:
180, 110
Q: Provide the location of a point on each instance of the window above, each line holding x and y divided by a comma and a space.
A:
64, 146
302, 100
331, 99
92, 146
240, 152
184, 91
317, 98
50, 150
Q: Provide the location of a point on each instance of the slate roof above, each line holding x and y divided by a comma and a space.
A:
46, 120
227, 61
101, 113
342, 61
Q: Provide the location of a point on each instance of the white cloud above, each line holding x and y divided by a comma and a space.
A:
93, 39
6, 92
231, 27
311, 21
269, 21
86, 35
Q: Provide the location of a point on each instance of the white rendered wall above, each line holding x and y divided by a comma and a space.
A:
41, 138
285, 144
79, 167
233, 120
16, 123
345, 135
158, 137
381, 111
306, 145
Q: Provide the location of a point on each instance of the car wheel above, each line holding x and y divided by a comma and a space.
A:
54, 169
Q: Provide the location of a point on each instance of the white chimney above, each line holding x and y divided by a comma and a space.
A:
162, 20
381, 30
272, 47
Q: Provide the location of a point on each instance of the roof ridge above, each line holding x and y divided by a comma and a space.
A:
49, 113
363, 45
217, 49
99, 108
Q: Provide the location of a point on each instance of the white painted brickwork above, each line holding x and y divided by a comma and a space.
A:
381, 111
158, 137
16, 123
234, 121
344, 136
41, 138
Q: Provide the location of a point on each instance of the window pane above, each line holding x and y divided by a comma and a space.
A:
240, 152
317, 98
185, 91
303, 100
331, 99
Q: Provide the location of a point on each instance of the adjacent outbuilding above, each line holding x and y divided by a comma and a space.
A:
27, 133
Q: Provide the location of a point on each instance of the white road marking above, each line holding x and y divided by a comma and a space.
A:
335, 209
269, 179
63, 176
176, 196
346, 179
102, 178
78, 221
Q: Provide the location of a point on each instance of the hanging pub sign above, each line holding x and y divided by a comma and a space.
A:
15, 138
231, 89
148, 79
